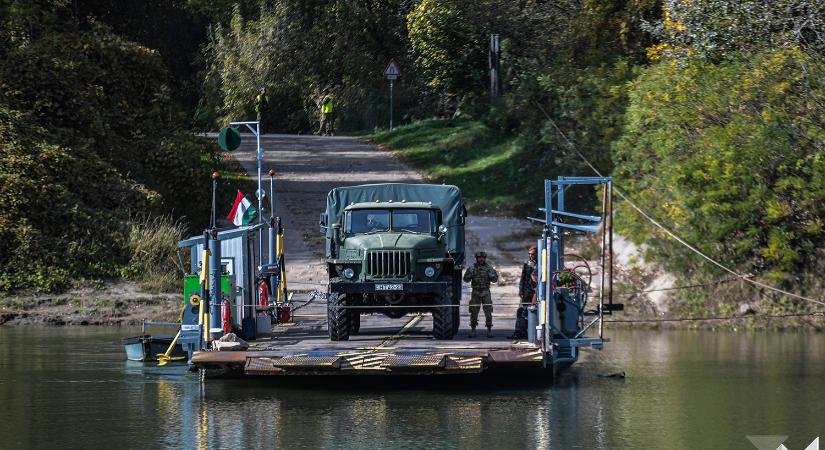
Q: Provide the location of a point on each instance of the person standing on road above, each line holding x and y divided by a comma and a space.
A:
526, 292
326, 113
262, 109
480, 276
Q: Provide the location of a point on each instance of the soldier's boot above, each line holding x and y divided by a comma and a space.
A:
473, 332
489, 332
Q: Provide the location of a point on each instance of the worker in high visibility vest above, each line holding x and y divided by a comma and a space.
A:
326, 113
262, 109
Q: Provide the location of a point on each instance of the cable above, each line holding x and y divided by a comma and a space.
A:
665, 229
676, 288
699, 319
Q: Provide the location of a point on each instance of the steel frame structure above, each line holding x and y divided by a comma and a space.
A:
563, 321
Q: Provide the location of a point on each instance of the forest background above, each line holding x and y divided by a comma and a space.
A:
709, 113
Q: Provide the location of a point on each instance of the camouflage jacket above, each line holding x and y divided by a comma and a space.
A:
480, 276
527, 287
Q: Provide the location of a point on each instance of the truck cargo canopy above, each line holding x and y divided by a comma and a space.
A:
445, 197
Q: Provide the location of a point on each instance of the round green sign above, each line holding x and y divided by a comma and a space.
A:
229, 138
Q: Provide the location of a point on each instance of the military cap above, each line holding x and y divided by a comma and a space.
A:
481, 254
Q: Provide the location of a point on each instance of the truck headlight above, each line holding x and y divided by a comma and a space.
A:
348, 272
429, 271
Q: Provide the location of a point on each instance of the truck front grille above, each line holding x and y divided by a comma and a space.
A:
388, 263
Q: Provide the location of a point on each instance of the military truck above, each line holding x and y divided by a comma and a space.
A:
393, 249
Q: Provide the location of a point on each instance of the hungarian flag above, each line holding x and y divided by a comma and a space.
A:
242, 211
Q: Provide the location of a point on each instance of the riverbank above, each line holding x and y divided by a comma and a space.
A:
497, 175
119, 303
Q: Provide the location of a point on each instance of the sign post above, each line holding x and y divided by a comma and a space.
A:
229, 139
392, 72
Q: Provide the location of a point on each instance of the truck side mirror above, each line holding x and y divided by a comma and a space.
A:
336, 232
322, 223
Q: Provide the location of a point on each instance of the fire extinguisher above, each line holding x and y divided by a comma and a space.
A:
226, 317
263, 294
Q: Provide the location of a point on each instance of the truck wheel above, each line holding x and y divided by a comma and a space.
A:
443, 318
338, 317
354, 321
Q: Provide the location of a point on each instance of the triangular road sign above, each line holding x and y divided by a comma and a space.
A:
392, 70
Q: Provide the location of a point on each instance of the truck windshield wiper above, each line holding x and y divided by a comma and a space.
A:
410, 231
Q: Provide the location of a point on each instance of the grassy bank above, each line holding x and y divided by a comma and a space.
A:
487, 168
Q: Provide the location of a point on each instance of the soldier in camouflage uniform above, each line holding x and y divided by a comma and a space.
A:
480, 276
526, 292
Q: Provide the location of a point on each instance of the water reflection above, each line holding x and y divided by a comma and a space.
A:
70, 388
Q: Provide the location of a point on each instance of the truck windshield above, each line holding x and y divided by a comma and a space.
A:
368, 220
378, 220
413, 220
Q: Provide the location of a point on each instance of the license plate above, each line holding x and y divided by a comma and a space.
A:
389, 287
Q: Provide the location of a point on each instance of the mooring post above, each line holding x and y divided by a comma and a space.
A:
215, 295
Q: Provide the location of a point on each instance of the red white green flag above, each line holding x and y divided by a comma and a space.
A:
242, 211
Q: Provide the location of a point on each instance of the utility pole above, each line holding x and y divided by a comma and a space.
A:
494, 61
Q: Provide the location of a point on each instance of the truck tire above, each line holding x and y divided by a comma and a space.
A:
443, 318
338, 317
354, 321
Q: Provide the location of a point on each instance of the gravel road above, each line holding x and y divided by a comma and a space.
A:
309, 166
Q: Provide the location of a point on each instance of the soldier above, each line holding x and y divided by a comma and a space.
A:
480, 276
526, 292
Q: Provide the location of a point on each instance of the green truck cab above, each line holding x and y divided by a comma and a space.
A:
393, 249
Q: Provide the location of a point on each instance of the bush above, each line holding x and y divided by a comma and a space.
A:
154, 259
730, 155
86, 144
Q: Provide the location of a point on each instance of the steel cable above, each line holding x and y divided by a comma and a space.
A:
665, 229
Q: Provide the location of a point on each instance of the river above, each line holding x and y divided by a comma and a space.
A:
72, 388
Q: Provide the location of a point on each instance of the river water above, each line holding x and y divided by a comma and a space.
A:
72, 388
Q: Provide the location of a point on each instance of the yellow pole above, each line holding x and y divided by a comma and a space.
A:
283, 290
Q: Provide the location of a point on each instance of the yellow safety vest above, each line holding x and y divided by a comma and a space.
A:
326, 104
258, 102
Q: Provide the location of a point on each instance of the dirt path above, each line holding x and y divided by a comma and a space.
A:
309, 166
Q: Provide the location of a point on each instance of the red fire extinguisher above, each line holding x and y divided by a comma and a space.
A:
263, 294
226, 317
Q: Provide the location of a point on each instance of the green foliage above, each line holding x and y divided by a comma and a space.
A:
88, 138
296, 49
722, 29
731, 156
59, 218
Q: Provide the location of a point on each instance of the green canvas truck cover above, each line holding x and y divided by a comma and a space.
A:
445, 197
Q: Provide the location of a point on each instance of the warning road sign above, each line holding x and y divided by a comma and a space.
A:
392, 71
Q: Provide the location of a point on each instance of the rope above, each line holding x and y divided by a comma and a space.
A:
666, 230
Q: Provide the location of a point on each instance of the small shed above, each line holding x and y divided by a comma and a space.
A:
238, 256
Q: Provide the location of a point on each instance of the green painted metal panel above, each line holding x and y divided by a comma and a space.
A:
229, 139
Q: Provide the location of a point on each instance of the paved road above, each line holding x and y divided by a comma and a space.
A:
309, 166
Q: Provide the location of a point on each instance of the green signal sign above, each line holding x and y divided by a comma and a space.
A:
229, 139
